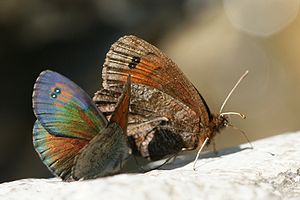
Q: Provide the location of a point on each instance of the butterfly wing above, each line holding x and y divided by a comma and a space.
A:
56, 152
107, 151
120, 115
149, 66
64, 109
158, 124
67, 121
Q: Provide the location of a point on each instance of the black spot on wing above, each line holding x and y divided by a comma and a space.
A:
134, 62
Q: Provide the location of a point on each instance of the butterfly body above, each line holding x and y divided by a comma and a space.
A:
167, 113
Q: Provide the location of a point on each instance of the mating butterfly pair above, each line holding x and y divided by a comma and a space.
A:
146, 107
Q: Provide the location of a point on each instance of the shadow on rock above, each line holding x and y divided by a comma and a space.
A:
188, 157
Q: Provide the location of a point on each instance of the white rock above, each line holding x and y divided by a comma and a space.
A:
236, 173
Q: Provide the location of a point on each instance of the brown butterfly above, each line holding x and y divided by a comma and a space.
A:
167, 113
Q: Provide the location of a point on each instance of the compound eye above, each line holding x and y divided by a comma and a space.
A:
225, 122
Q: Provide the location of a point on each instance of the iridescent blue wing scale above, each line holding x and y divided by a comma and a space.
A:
64, 109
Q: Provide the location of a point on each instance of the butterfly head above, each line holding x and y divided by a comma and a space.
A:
218, 122
222, 121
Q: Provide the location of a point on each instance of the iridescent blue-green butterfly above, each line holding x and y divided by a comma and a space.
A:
72, 137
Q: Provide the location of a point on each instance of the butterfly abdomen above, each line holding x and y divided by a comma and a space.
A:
103, 155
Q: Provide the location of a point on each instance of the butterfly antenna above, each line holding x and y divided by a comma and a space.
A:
233, 113
198, 153
245, 135
237, 83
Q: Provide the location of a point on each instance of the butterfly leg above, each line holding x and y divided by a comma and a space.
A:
214, 146
167, 161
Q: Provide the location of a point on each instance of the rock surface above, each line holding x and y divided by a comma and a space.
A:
269, 171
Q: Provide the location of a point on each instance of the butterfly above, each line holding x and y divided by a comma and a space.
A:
72, 137
167, 113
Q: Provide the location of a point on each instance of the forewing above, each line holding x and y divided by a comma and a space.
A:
149, 66
64, 109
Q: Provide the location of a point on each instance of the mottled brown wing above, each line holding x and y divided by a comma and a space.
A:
149, 66
158, 124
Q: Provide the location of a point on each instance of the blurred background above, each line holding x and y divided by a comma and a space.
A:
214, 42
